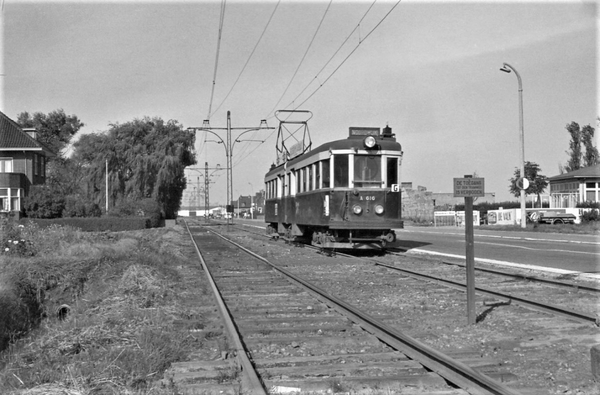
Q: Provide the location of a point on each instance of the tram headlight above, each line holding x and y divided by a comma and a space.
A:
370, 142
356, 209
379, 209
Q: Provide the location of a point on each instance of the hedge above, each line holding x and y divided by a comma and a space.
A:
94, 224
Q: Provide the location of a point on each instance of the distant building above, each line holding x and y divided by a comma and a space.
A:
447, 201
578, 186
23, 162
419, 204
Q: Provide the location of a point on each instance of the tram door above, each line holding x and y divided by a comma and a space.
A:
287, 199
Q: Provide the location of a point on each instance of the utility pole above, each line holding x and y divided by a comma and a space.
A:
107, 185
229, 143
207, 183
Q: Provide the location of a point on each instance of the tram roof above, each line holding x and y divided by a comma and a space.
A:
383, 144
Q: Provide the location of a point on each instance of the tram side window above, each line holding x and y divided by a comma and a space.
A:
310, 178
340, 171
367, 171
325, 169
392, 171
304, 179
318, 175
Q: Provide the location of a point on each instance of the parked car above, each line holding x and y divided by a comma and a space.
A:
551, 217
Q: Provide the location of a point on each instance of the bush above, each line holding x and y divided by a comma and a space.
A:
588, 204
42, 202
79, 206
590, 215
103, 224
148, 208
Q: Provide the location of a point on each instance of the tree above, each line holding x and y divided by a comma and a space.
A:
591, 153
55, 130
577, 158
575, 153
537, 182
146, 159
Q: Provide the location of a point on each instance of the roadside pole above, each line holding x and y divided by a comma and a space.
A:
470, 255
468, 187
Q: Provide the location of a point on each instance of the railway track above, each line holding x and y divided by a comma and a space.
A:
572, 300
289, 335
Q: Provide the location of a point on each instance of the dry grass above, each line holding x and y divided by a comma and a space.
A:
118, 293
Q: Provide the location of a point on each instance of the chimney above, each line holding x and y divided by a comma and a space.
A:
31, 132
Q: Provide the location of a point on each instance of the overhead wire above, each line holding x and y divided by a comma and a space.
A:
249, 58
245, 146
346, 58
295, 72
303, 56
336, 69
214, 81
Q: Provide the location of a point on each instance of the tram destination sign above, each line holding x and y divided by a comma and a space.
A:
469, 187
362, 131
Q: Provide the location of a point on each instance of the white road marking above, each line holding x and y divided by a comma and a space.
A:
594, 276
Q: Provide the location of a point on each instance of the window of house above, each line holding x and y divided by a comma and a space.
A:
15, 198
4, 199
367, 171
340, 171
6, 165
35, 164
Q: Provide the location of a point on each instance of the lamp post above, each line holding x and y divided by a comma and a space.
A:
507, 69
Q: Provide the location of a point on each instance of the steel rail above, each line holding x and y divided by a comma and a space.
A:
521, 276
511, 298
251, 383
506, 297
531, 278
452, 370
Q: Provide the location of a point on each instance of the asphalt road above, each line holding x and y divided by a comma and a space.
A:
556, 252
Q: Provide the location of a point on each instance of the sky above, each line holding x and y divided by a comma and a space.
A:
429, 70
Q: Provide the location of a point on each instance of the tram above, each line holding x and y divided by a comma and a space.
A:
344, 194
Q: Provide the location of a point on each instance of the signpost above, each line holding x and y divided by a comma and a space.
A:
469, 187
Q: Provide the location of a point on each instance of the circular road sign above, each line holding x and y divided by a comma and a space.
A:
523, 183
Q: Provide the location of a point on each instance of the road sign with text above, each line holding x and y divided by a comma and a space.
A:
469, 187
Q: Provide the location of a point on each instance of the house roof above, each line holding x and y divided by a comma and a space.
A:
13, 138
583, 173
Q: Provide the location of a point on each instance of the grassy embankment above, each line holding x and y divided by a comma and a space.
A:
88, 313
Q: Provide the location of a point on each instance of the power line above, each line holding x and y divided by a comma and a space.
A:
334, 71
336, 52
347, 57
249, 57
221, 20
303, 57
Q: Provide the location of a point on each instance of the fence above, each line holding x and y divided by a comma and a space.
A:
453, 218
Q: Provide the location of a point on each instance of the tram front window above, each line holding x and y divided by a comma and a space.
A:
340, 171
367, 171
392, 171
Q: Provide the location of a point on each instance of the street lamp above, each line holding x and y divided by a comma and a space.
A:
507, 69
